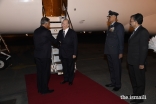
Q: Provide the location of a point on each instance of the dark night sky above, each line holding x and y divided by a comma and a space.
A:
94, 37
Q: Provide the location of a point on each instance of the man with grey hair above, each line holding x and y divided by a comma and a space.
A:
43, 40
67, 51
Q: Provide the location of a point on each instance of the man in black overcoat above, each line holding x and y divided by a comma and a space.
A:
43, 40
137, 55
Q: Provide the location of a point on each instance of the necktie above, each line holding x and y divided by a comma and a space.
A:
132, 34
110, 26
64, 33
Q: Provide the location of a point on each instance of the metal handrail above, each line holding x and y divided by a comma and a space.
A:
67, 14
43, 10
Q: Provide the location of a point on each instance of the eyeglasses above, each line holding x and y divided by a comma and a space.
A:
131, 21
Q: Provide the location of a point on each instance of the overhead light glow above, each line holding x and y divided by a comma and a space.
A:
26, 0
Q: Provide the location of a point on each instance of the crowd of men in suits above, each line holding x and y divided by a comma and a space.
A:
114, 45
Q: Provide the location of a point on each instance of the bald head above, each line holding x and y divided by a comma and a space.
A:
65, 24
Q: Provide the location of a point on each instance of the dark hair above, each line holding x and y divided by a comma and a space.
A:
44, 20
138, 17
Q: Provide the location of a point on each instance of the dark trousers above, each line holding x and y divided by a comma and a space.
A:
68, 69
114, 64
43, 73
137, 77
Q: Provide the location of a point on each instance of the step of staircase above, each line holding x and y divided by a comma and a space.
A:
55, 29
55, 19
60, 72
57, 24
55, 51
58, 66
55, 36
56, 59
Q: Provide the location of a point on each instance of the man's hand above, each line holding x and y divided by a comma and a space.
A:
74, 56
120, 56
141, 66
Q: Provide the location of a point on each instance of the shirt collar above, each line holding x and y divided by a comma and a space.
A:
66, 30
113, 23
137, 28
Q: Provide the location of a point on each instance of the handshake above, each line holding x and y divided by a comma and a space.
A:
58, 44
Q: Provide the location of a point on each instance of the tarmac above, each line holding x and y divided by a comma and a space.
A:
91, 62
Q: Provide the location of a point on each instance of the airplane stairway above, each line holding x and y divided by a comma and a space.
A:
56, 11
55, 25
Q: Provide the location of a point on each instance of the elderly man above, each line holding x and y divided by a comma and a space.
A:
67, 51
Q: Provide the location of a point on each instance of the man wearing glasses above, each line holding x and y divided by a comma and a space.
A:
137, 54
114, 46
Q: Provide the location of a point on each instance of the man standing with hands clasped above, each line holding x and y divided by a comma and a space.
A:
67, 51
137, 54
114, 46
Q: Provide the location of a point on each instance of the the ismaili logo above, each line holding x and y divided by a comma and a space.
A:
133, 97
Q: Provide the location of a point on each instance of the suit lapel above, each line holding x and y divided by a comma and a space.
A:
67, 32
135, 33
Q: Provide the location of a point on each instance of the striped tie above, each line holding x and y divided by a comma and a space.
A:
132, 34
64, 34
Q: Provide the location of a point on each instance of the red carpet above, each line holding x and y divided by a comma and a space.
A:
83, 91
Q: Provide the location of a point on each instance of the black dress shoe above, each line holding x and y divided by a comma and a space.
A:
137, 101
109, 85
63, 82
133, 101
116, 88
49, 91
70, 83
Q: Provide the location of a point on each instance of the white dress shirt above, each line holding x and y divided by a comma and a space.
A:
66, 30
134, 31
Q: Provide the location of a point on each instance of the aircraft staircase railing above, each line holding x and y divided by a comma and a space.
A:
43, 10
55, 26
64, 8
4, 57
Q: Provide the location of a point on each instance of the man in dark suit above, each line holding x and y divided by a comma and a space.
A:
67, 51
43, 40
137, 54
114, 46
